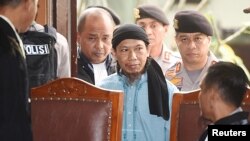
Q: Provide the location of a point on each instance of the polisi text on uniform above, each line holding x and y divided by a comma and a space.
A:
36, 49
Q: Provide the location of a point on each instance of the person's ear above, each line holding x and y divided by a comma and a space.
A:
78, 37
210, 39
165, 28
214, 95
176, 41
148, 52
113, 52
27, 4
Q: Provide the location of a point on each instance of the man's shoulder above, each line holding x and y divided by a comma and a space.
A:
112, 81
172, 71
169, 55
36, 27
171, 86
4, 42
61, 38
113, 78
84, 75
62, 43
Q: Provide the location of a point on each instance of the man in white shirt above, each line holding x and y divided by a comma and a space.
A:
156, 25
95, 31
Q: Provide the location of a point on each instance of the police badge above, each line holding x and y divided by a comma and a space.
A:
136, 13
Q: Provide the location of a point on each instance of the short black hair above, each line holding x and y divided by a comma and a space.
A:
230, 79
12, 3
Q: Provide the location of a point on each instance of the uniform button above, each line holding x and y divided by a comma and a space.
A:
129, 113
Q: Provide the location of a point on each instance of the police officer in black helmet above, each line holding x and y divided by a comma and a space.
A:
193, 38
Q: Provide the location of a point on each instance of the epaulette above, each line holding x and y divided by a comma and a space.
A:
177, 81
170, 73
167, 55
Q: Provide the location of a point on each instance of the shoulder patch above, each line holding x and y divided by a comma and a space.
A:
170, 73
166, 55
177, 81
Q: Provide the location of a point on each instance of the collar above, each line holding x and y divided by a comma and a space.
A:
85, 61
9, 22
235, 118
239, 109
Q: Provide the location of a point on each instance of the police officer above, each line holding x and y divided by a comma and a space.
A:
155, 23
193, 38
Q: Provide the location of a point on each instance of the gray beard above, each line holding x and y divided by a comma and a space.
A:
131, 78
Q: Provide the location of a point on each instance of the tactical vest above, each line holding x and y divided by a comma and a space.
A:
41, 56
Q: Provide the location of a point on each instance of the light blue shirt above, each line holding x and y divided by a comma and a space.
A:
138, 123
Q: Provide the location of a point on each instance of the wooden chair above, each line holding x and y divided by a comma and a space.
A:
70, 109
186, 123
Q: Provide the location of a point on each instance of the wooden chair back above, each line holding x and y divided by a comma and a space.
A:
70, 109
